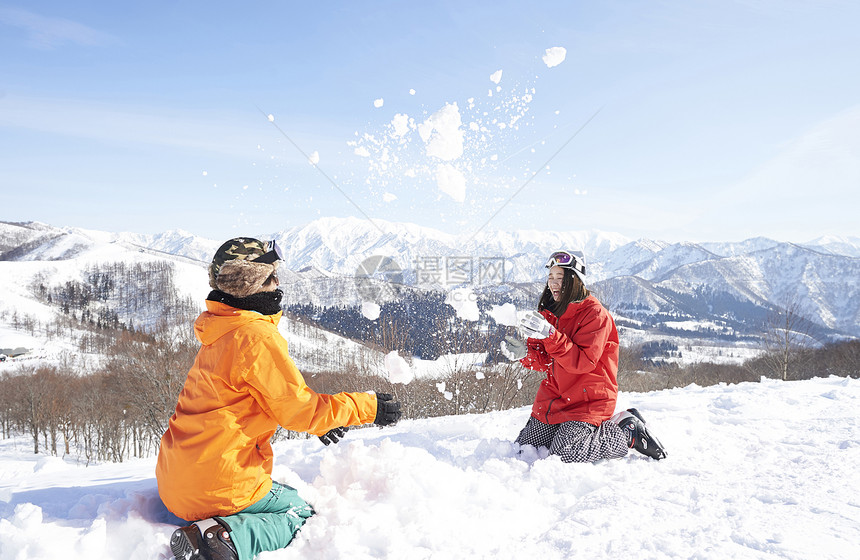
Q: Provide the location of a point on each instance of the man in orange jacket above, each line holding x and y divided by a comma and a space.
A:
215, 462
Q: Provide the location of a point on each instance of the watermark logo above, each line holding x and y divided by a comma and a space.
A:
434, 271
378, 278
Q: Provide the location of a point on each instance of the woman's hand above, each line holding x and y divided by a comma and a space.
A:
513, 349
534, 325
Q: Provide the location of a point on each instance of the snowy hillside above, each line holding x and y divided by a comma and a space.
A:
757, 273
41, 254
647, 283
756, 470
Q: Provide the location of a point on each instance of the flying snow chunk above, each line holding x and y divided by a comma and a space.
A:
378, 102
496, 76
411, 92
271, 118
400, 125
504, 314
554, 56
451, 181
442, 134
314, 158
398, 370
465, 303
389, 197
205, 173
441, 388
370, 310
362, 151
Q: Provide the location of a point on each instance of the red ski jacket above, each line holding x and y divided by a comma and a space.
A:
581, 362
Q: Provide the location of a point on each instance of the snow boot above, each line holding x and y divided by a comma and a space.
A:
208, 539
638, 436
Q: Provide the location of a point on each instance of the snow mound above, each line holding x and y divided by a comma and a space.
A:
755, 470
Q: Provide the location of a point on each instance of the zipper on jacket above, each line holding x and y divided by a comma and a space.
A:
548, 407
552, 372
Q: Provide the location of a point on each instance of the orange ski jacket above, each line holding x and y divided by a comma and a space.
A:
581, 362
215, 457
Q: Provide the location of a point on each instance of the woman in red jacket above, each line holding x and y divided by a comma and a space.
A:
572, 338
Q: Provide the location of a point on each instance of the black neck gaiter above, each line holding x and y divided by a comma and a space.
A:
267, 303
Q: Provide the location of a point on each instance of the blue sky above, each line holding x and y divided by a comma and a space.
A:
703, 121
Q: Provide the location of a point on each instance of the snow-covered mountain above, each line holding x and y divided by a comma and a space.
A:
758, 273
323, 260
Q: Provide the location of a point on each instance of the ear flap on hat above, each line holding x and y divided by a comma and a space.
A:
241, 278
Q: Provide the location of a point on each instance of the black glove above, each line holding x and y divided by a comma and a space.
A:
335, 435
387, 410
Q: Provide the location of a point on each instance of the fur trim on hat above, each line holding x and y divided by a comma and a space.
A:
241, 278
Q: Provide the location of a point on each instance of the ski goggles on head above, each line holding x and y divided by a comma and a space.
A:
567, 260
273, 253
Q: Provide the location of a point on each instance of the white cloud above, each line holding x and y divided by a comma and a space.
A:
816, 174
48, 33
221, 134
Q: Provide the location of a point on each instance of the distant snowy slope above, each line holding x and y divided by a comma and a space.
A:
175, 242
339, 245
53, 256
756, 470
740, 248
836, 245
670, 258
827, 287
324, 264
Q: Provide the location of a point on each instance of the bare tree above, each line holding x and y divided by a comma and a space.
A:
786, 332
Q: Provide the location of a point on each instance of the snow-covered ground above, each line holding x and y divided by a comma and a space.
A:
756, 470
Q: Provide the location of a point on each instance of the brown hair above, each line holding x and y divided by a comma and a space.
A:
572, 291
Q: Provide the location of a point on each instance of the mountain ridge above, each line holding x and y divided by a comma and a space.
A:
323, 258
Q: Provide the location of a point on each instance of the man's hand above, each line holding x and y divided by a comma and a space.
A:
334, 436
387, 410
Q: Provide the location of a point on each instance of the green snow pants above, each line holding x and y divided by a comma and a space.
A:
268, 524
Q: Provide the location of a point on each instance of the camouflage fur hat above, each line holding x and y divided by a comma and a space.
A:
242, 266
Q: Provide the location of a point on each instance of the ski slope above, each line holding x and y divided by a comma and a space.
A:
756, 470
